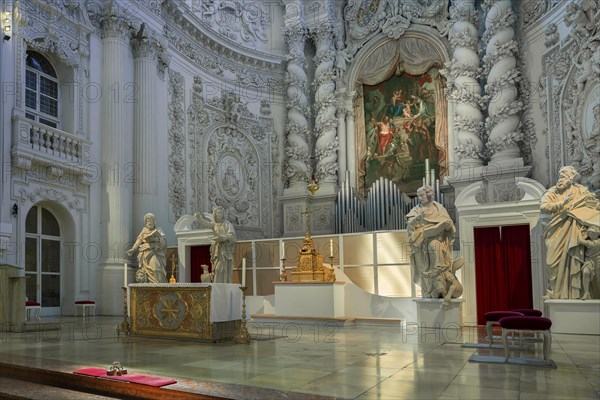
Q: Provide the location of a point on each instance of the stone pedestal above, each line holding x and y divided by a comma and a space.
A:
310, 299
431, 314
574, 316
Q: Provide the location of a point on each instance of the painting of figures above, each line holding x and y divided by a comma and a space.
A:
400, 129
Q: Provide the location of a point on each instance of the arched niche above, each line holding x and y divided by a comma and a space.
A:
415, 53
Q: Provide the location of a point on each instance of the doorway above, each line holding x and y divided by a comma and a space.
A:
199, 255
502, 269
43, 259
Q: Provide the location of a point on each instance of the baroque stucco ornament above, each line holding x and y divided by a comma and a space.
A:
235, 19
571, 72
224, 141
366, 19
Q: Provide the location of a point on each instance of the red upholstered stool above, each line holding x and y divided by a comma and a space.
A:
530, 312
492, 318
84, 305
529, 324
33, 306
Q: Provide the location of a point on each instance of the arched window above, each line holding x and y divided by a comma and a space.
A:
43, 258
41, 90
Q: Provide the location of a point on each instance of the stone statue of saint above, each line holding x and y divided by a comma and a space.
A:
571, 208
151, 246
591, 264
430, 235
223, 243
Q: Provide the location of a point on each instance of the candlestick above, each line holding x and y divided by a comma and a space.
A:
243, 336
331, 248
124, 326
282, 272
125, 275
244, 272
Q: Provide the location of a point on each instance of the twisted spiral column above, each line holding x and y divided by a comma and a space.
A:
326, 144
500, 65
297, 149
463, 87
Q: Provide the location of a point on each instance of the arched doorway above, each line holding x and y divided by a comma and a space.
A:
43, 259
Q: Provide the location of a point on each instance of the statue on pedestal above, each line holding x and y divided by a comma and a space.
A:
430, 235
572, 209
151, 246
223, 243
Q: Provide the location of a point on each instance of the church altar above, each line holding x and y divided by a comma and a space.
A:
201, 311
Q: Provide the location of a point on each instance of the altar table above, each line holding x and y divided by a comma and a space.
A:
201, 311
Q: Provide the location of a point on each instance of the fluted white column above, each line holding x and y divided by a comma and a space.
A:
500, 64
341, 133
116, 141
296, 149
145, 134
326, 145
464, 90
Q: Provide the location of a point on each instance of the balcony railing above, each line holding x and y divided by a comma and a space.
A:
41, 144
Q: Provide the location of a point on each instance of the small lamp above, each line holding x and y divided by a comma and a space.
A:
15, 210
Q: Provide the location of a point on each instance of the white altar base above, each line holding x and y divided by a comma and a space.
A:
431, 315
310, 299
573, 316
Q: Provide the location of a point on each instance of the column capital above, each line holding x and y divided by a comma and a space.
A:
114, 27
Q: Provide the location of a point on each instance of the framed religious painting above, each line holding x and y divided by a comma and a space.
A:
400, 129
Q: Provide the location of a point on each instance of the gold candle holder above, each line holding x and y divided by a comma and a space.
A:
124, 326
243, 336
173, 280
283, 273
331, 275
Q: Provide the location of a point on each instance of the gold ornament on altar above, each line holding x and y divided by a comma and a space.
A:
313, 185
172, 279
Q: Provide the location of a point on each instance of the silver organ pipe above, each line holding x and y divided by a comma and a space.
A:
384, 207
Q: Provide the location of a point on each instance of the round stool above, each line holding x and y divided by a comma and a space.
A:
85, 305
33, 306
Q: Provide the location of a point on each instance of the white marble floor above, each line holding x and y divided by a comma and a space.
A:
346, 362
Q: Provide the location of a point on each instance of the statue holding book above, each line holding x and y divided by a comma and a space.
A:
430, 235
151, 246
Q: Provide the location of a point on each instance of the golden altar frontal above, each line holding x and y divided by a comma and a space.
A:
185, 310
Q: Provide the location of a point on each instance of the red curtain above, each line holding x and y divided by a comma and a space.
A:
490, 280
516, 253
502, 269
199, 255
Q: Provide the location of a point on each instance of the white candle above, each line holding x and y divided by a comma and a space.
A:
244, 272
282, 249
125, 275
331, 248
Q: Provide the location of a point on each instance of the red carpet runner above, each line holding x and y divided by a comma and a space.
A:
134, 378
